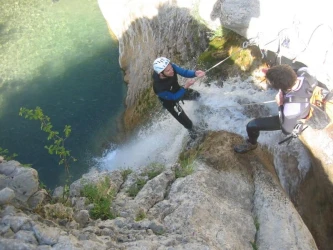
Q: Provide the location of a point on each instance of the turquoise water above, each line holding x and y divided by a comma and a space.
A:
58, 55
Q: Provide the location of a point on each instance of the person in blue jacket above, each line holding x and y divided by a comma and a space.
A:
168, 90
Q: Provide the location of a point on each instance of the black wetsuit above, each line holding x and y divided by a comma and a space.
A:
171, 93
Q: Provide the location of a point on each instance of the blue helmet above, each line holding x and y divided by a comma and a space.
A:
160, 64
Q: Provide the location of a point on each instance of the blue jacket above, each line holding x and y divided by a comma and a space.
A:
168, 89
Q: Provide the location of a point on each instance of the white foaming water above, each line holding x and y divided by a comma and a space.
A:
161, 141
218, 108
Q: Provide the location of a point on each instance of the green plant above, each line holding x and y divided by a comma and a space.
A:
216, 33
58, 142
125, 173
186, 164
254, 245
141, 215
136, 187
256, 223
65, 194
101, 196
26, 165
154, 169
6, 155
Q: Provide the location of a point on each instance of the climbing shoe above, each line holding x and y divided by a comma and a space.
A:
192, 143
193, 133
246, 147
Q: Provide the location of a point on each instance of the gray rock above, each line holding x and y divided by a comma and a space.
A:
6, 196
23, 181
79, 203
9, 168
58, 193
26, 236
154, 190
44, 247
15, 222
82, 217
14, 244
157, 227
8, 210
37, 198
46, 235
6, 231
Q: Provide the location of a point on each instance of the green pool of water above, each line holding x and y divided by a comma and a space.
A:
58, 55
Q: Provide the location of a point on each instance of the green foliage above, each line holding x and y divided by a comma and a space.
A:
101, 195
256, 223
136, 187
224, 43
125, 173
26, 165
216, 33
65, 194
186, 164
254, 245
141, 215
147, 103
150, 172
6, 155
153, 170
58, 142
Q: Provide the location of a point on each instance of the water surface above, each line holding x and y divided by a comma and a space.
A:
58, 55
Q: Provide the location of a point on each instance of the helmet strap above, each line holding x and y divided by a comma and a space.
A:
163, 74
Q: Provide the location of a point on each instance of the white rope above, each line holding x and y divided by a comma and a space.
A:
248, 104
244, 46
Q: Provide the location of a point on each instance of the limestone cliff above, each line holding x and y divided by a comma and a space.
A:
226, 202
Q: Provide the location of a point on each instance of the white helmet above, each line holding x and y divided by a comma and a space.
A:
160, 64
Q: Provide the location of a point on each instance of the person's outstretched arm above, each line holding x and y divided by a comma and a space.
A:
187, 73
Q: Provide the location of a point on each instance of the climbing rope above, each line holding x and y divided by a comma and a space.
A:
244, 46
248, 104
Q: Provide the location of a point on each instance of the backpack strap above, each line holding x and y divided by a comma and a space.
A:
296, 99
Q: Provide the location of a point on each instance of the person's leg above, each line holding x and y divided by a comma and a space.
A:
177, 112
253, 129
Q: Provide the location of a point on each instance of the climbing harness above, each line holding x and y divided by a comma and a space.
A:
296, 132
178, 109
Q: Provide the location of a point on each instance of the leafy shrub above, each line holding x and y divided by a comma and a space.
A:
135, 188
101, 196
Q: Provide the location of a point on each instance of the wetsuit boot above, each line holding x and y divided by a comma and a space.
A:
246, 147
193, 133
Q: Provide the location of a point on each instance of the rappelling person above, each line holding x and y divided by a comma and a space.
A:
293, 100
170, 93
